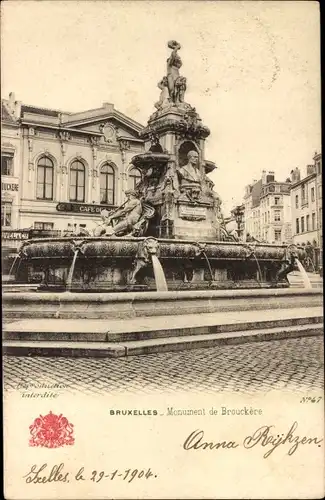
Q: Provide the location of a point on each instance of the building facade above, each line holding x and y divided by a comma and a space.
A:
306, 200
319, 200
268, 210
59, 170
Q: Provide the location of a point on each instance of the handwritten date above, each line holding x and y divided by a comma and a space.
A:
42, 474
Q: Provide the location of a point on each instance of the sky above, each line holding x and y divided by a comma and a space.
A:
252, 69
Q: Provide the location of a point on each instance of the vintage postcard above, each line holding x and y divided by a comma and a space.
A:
162, 250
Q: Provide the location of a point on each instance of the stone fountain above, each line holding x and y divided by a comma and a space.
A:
164, 252
169, 233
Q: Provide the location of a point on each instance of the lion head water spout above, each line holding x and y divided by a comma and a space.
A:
304, 275
147, 253
152, 247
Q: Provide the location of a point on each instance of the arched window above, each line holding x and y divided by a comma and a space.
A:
107, 184
45, 177
134, 178
77, 181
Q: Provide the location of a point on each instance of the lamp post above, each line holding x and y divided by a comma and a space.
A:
238, 213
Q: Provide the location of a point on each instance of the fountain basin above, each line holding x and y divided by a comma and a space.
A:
108, 263
131, 304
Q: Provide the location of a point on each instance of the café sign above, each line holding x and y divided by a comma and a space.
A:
9, 186
14, 235
82, 208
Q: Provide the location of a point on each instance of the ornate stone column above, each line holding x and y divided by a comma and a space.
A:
124, 146
31, 167
94, 174
62, 171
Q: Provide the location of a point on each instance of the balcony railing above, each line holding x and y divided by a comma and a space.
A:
52, 233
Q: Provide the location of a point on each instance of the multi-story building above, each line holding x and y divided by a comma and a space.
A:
306, 200
59, 169
268, 210
304, 206
319, 199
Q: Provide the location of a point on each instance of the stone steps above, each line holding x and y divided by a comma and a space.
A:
155, 345
153, 328
119, 338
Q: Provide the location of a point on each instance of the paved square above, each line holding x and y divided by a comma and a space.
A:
291, 364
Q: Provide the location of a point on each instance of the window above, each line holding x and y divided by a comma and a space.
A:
320, 218
297, 201
302, 224
277, 215
312, 194
297, 226
277, 200
6, 214
46, 226
45, 173
303, 194
307, 222
268, 217
319, 191
134, 178
7, 164
77, 181
277, 234
313, 221
107, 184
319, 169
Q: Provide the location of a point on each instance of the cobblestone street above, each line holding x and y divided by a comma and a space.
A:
293, 365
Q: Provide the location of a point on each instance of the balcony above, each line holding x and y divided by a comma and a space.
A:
53, 233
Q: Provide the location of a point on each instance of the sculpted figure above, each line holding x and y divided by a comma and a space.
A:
190, 173
122, 220
180, 88
163, 98
174, 63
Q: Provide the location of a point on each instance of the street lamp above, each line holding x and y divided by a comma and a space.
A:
238, 213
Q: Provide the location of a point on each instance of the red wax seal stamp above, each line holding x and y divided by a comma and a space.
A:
51, 431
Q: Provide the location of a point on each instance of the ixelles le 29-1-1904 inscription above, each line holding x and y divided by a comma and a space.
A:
265, 436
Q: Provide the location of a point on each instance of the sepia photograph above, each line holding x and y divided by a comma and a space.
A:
162, 249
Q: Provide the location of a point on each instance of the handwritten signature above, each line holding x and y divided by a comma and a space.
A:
264, 436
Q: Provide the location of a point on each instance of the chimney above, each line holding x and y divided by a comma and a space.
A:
311, 170
17, 109
109, 106
14, 106
270, 176
263, 177
12, 98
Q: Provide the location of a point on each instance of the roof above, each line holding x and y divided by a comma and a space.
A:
303, 181
42, 111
